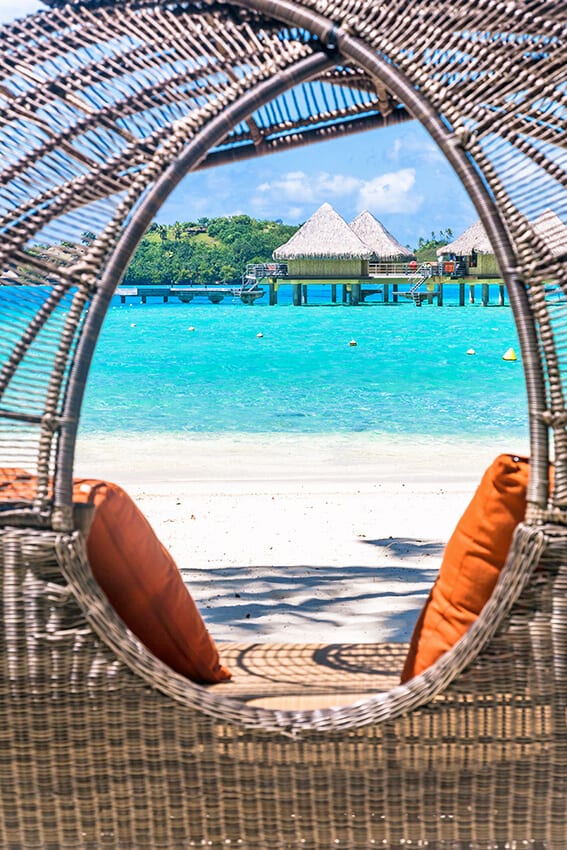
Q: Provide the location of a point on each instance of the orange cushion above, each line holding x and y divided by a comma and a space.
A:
139, 577
472, 562
16, 485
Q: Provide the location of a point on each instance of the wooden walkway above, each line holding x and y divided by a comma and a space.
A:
187, 293
470, 291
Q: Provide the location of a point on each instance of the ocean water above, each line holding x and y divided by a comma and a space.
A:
232, 369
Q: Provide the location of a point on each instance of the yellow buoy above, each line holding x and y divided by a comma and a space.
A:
509, 355
353, 342
471, 351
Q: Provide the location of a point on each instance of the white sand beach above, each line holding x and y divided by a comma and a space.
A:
298, 538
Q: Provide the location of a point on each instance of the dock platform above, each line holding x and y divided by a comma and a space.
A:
214, 293
387, 283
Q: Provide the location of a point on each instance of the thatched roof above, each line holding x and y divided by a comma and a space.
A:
473, 239
379, 240
323, 236
550, 227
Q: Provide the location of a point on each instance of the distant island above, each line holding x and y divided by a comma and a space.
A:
217, 250
207, 251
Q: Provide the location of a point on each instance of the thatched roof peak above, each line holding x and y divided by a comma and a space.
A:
548, 225
325, 235
379, 240
474, 238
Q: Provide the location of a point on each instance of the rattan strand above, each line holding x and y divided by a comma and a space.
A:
105, 107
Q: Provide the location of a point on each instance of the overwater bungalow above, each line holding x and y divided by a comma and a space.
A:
325, 247
470, 254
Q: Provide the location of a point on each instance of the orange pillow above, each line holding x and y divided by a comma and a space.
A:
16, 485
472, 562
139, 577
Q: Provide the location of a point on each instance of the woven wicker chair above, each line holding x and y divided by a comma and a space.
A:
105, 107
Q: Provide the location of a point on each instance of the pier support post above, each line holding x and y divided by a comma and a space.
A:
143, 297
273, 294
304, 298
296, 294
440, 295
386, 293
345, 293
123, 299
395, 292
485, 295
471, 293
355, 296
333, 293
461, 295
501, 295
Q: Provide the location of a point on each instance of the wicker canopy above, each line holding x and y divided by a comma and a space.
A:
380, 241
106, 106
325, 235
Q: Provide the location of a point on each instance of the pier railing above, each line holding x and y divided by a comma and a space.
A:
260, 271
402, 269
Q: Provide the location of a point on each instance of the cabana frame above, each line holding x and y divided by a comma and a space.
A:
107, 107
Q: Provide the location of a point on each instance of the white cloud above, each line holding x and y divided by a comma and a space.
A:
337, 185
311, 188
416, 147
388, 193
294, 186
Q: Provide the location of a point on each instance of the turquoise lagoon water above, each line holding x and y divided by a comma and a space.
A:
228, 368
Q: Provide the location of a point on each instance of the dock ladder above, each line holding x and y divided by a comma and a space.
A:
422, 273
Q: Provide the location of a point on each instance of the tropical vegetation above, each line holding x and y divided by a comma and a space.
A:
426, 249
218, 249
205, 251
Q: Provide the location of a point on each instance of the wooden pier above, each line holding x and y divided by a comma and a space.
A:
214, 293
394, 282
387, 284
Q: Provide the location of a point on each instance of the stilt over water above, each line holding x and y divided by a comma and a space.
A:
386, 283
392, 289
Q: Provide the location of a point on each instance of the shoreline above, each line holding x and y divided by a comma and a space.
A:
294, 538
144, 459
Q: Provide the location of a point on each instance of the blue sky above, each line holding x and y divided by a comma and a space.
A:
398, 174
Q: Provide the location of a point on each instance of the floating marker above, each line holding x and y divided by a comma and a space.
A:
190, 328
132, 325
471, 351
259, 336
353, 342
509, 355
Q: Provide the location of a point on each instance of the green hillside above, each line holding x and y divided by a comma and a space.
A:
206, 251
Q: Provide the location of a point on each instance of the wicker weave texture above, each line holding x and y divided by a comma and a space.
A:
96, 122
93, 756
106, 106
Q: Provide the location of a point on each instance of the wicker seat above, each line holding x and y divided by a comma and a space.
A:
105, 107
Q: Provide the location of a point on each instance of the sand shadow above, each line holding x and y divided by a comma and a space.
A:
408, 547
314, 600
